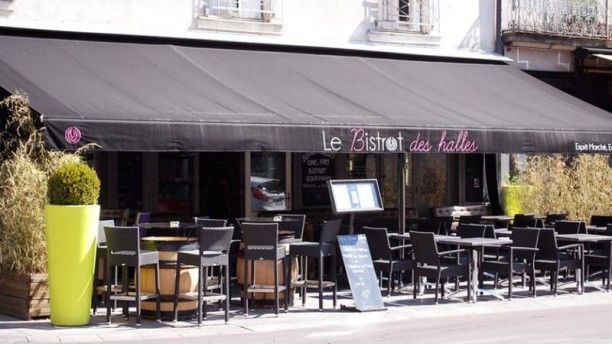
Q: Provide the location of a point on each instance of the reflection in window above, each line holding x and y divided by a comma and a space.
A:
268, 182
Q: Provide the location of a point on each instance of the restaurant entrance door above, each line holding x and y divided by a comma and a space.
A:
221, 185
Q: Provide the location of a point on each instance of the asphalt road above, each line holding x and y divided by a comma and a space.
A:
584, 324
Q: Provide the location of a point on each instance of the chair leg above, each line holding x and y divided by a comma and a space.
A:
320, 282
415, 283
157, 293
246, 287
609, 276
276, 295
287, 278
390, 280
510, 281
437, 287
177, 279
94, 295
533, 281
108, 294
469, 282
334, 273
305, 278
138, 301
205, 290
226, 270
556, 280
199, 294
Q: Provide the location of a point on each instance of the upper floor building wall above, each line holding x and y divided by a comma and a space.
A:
438, 27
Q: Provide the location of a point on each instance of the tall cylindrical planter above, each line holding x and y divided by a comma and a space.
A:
71, 250
512, 196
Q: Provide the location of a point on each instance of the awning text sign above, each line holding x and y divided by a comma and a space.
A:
360, 140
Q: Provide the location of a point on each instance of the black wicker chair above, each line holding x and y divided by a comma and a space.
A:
208, 222
601, 220
470, 219
296, 226
446, 224
524, 221
601, 258
326, 247
555, 259
385, 257
567, 227
123, 249
520, 259
550, 219
214, 245
429, 225
471, 230
261, 243
429, 263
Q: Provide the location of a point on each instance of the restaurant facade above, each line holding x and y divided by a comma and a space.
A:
241, 114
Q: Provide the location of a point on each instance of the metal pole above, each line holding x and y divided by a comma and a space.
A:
401, 207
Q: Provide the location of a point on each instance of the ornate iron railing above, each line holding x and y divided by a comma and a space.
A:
243, 9
572, 18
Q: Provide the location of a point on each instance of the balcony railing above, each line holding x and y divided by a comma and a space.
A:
263, 10
570, 18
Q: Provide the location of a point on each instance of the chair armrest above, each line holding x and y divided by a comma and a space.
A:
440, 254
394, 248
563, 248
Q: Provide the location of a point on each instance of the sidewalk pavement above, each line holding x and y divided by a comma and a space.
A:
400, 308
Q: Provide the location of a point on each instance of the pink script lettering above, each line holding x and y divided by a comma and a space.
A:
460, 145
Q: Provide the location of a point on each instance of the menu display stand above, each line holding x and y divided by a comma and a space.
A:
351, 196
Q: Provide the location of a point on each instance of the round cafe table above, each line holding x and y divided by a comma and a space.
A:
168, 247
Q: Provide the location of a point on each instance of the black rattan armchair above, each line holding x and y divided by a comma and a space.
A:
429, 263
567, 227
520, 259
555, 259
296, 226
601, 259
386, 258
208, 222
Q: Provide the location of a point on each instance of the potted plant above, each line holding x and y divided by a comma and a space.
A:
25, 166
71, 219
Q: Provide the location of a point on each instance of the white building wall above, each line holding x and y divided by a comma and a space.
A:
467, 27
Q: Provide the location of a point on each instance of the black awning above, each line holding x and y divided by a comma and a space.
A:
172, 97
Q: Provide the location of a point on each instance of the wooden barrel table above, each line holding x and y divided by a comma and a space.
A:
168, 246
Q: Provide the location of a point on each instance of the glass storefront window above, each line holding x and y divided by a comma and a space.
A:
268, 181
176, 183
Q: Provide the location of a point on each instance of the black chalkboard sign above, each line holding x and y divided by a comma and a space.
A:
317, 169
360, 271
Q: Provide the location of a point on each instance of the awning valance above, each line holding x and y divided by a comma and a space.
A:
172, 97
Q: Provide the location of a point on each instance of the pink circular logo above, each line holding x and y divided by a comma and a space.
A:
72, 135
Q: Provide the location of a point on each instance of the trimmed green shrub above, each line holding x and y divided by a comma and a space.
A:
73, 184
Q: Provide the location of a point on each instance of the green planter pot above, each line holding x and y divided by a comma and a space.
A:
512, 195
71, 248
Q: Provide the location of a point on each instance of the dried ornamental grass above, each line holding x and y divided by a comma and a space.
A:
25, 167
580, 186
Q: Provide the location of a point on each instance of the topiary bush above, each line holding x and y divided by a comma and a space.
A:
73, 184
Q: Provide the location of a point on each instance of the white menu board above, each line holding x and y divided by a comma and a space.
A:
355, 195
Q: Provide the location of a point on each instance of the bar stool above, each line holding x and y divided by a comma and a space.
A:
123, 249
214, 245
260, 244
326, 247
